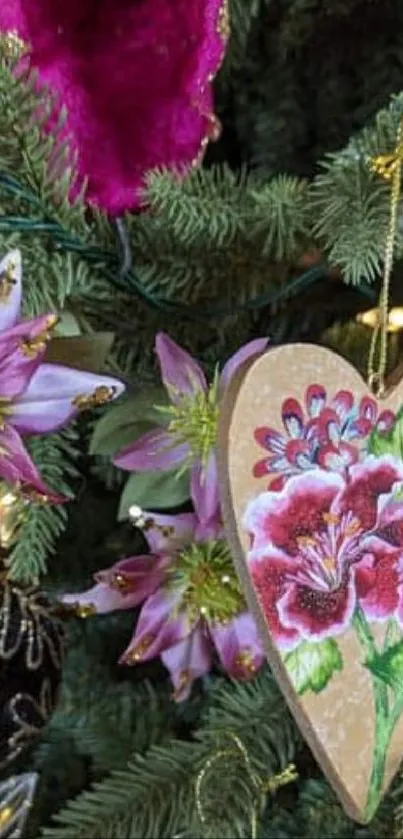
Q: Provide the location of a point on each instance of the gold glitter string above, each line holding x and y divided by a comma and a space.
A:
261, 787
389, 167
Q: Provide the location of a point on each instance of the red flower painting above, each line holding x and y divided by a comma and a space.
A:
324, 545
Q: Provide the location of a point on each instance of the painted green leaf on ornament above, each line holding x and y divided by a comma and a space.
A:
388, 666
155, 490
390, 443
311, 666
124, 423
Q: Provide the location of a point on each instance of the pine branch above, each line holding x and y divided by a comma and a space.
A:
155, 795
37, 538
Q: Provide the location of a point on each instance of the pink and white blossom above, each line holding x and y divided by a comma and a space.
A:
326, 544
192, 603
35, 397
188, 439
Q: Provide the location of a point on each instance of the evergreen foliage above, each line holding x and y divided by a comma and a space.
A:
258, 241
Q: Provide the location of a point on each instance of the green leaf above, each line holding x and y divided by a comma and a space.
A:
155, 490
390, 443
84, 352
122, 424
311, 666
388, 666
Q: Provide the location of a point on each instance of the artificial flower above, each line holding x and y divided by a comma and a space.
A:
329, 433
35, 397
325, 545
192, 602
189, 438
135, 79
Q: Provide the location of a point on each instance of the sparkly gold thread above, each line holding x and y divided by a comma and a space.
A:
389, 167
261, 787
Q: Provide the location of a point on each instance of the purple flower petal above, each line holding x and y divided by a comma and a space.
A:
180, 372
160, 626
207, 531
238, 646
16, 466
204, 489
101, 598
248, 351
187, 661
22, 349
55, 394
168, 534
156, 450
123, 586
10, 289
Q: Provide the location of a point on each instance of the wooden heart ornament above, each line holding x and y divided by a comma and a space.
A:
311, 473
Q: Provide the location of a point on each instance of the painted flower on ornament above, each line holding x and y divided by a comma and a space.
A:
189, 435
35, 397
324, 545
329, 433
192, 602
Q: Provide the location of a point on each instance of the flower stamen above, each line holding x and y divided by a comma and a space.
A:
199, 571
193, 419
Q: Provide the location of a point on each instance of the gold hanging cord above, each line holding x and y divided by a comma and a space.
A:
261, 786
389, 167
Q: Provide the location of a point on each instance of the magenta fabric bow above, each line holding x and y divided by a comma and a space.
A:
192, 602
135, 77
35, 397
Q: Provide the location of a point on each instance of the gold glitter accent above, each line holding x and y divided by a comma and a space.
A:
136, 515
32, 347
84, 610
183, 681
7, 282
5, 815
12, 514
100, 396
34, 495
223, 24
244, 660
136, 654
120, 582
223, 31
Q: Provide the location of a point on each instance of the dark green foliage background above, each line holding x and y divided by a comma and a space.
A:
217, 261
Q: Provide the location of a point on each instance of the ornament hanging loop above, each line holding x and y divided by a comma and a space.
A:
389, 167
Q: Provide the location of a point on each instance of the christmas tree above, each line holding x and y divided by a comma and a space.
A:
273, 232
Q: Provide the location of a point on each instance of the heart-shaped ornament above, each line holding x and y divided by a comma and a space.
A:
311, 474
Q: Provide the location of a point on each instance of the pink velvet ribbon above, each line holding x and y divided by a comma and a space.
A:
136, 78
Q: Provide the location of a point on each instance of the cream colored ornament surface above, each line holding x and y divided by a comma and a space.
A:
311, 476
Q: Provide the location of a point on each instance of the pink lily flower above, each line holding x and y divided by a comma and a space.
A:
35, 397
188, 440
192, 602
